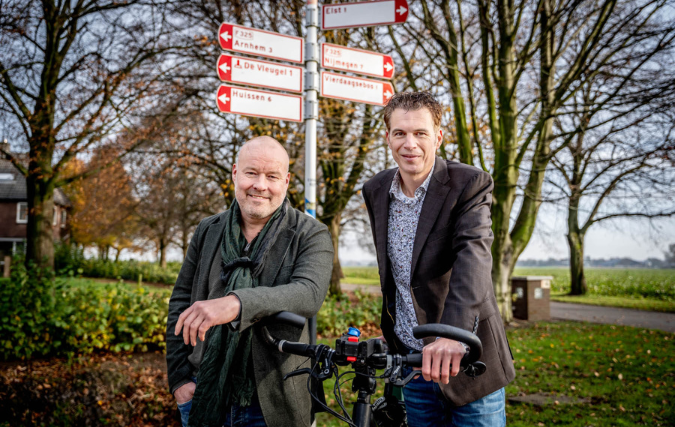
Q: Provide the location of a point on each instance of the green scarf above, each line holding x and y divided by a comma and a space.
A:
226, 372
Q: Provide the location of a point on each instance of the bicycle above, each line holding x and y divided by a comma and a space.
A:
365, 358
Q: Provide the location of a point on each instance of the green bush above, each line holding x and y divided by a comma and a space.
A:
42, 316
338, 313
28, 303
71, 261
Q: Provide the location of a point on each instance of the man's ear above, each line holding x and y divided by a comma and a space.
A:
439, 138
386, 137
288, 178
234, 173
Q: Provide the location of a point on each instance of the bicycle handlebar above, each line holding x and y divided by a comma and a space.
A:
452, 333
420, 332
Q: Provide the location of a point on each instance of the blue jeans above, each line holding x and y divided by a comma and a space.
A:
426, 407
237, 416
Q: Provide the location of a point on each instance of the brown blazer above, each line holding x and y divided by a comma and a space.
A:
451, 269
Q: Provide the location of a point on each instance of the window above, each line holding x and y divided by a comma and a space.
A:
6, 177
63, 218
55, 219
21, 213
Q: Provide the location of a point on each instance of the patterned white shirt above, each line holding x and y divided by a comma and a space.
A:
404, 215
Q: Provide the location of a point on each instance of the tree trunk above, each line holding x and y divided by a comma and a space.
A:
337, 274
576, 243
501, 278
39, 235
575, 240
162, 253
117, 254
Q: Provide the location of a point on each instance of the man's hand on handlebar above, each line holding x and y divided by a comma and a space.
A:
441, 359
201, 315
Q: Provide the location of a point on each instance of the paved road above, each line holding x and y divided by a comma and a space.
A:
613, 316
588, 313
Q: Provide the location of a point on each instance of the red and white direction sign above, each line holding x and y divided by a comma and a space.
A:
357, 61
356, 89
364, 14
260, 73
259, 42
258, 103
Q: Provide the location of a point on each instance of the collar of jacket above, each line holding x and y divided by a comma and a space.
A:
213, 236
438, 190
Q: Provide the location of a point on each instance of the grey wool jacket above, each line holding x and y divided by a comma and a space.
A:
295, 279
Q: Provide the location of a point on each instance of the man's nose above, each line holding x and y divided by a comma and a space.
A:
410, 142
260, 183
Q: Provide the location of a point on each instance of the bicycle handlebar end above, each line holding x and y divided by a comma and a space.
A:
453, 333
287, 318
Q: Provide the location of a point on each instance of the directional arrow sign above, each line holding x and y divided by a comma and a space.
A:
258, 42
258, 103
364, 14
260, 73
355, 89
357, 61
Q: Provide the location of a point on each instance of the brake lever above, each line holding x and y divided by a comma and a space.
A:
403, 381
298, 372
324, 355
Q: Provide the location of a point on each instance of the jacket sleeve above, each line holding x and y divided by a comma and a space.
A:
307, 288
179, 368
471, 279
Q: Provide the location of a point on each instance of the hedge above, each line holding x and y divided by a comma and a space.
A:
40, 315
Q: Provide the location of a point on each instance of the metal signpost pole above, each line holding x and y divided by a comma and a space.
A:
311, 117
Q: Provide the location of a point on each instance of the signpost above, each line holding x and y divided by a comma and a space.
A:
280, 106
255, 72
258, 103
357, 61
369, 91
262, 43
364, 14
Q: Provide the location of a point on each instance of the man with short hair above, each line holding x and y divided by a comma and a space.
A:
257, 258
431, 224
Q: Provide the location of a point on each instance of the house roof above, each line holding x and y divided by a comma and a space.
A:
14, 188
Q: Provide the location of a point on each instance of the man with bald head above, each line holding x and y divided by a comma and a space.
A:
257, 258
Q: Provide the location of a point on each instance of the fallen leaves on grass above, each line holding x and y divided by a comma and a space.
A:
101, 389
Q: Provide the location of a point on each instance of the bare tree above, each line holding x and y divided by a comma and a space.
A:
518, 65
72, 73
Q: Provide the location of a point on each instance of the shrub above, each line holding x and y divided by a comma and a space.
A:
72, 262
28, 305
42, 316
339, 312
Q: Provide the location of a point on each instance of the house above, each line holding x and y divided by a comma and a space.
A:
14, 211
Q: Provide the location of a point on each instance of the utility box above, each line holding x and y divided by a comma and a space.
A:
531, 297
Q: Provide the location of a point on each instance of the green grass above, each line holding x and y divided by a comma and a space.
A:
361, 275
643, 289
648, 304
625, 376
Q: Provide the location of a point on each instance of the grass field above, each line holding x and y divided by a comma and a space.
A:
616, 376
645, 289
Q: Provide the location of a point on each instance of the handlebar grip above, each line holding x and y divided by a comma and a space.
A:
413, 359
287, 318
296, 348
453, 333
